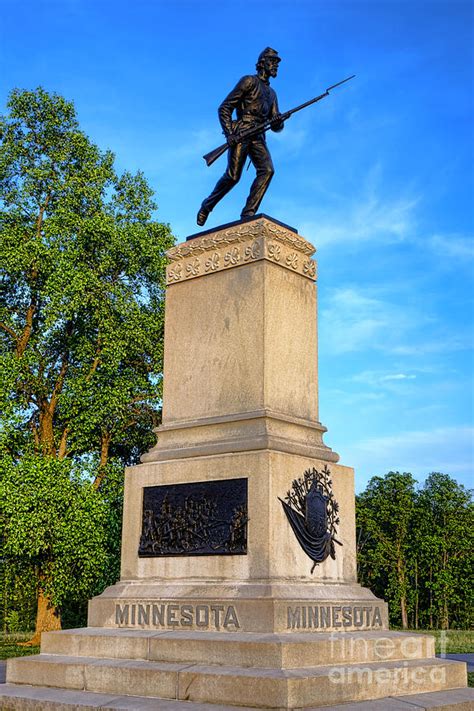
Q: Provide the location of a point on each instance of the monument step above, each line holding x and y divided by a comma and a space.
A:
452, 700
14, 697
19, 697
289, 650
259, 688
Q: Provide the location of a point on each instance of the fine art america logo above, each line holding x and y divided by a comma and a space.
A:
312, 513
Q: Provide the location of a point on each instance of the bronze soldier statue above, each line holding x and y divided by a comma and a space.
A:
254, 102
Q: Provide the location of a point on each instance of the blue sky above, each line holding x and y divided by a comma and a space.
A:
378, 177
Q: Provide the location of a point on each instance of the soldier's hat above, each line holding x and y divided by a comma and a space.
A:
268, 52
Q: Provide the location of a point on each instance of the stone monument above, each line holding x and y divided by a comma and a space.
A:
238, 579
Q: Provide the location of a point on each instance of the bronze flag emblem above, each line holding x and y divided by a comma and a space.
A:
312, 513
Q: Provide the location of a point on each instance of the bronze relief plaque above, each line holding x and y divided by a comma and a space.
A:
198, 518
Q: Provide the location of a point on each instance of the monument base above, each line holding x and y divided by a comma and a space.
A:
147, 669
242, 606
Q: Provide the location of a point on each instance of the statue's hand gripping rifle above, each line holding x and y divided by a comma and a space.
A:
266, 125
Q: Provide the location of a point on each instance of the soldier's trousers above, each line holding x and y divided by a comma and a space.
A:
260, 156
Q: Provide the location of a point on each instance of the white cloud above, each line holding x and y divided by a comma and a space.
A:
452, 246
448, 342
398, 376
445, 449
349, 397
353, 320
376, 378
358, 319
414, 439
366, 216
369, 220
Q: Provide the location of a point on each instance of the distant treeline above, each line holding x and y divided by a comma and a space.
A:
415, 549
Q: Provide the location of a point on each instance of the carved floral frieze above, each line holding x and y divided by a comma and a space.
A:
241, 244
274, 252
213, 262
193, 268
292, 260
232, 257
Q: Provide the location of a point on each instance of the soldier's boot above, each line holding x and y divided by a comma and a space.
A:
202, 216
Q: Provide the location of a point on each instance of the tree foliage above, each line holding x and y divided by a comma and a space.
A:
444, 540
55, 522
81, 334
415, 548
81, 305
384, 514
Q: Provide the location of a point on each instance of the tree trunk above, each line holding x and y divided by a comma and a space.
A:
445, 613
431, 598
417, 595
403, 598
445, 618
25, 336
403, 607
104, 458
62, 449
47, 619
46, 431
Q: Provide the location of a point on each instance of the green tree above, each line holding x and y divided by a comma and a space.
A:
81, 302
384, 514
445, 544
55, 522
415, 548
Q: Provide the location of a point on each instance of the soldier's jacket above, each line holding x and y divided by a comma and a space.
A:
254, 102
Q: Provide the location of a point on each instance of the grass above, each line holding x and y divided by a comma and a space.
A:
451, 641
10, 647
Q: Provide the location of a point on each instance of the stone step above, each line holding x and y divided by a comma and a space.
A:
260, 688
19, 697
291, 650
452, 700
15, 697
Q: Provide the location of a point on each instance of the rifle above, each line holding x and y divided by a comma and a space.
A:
261, 127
